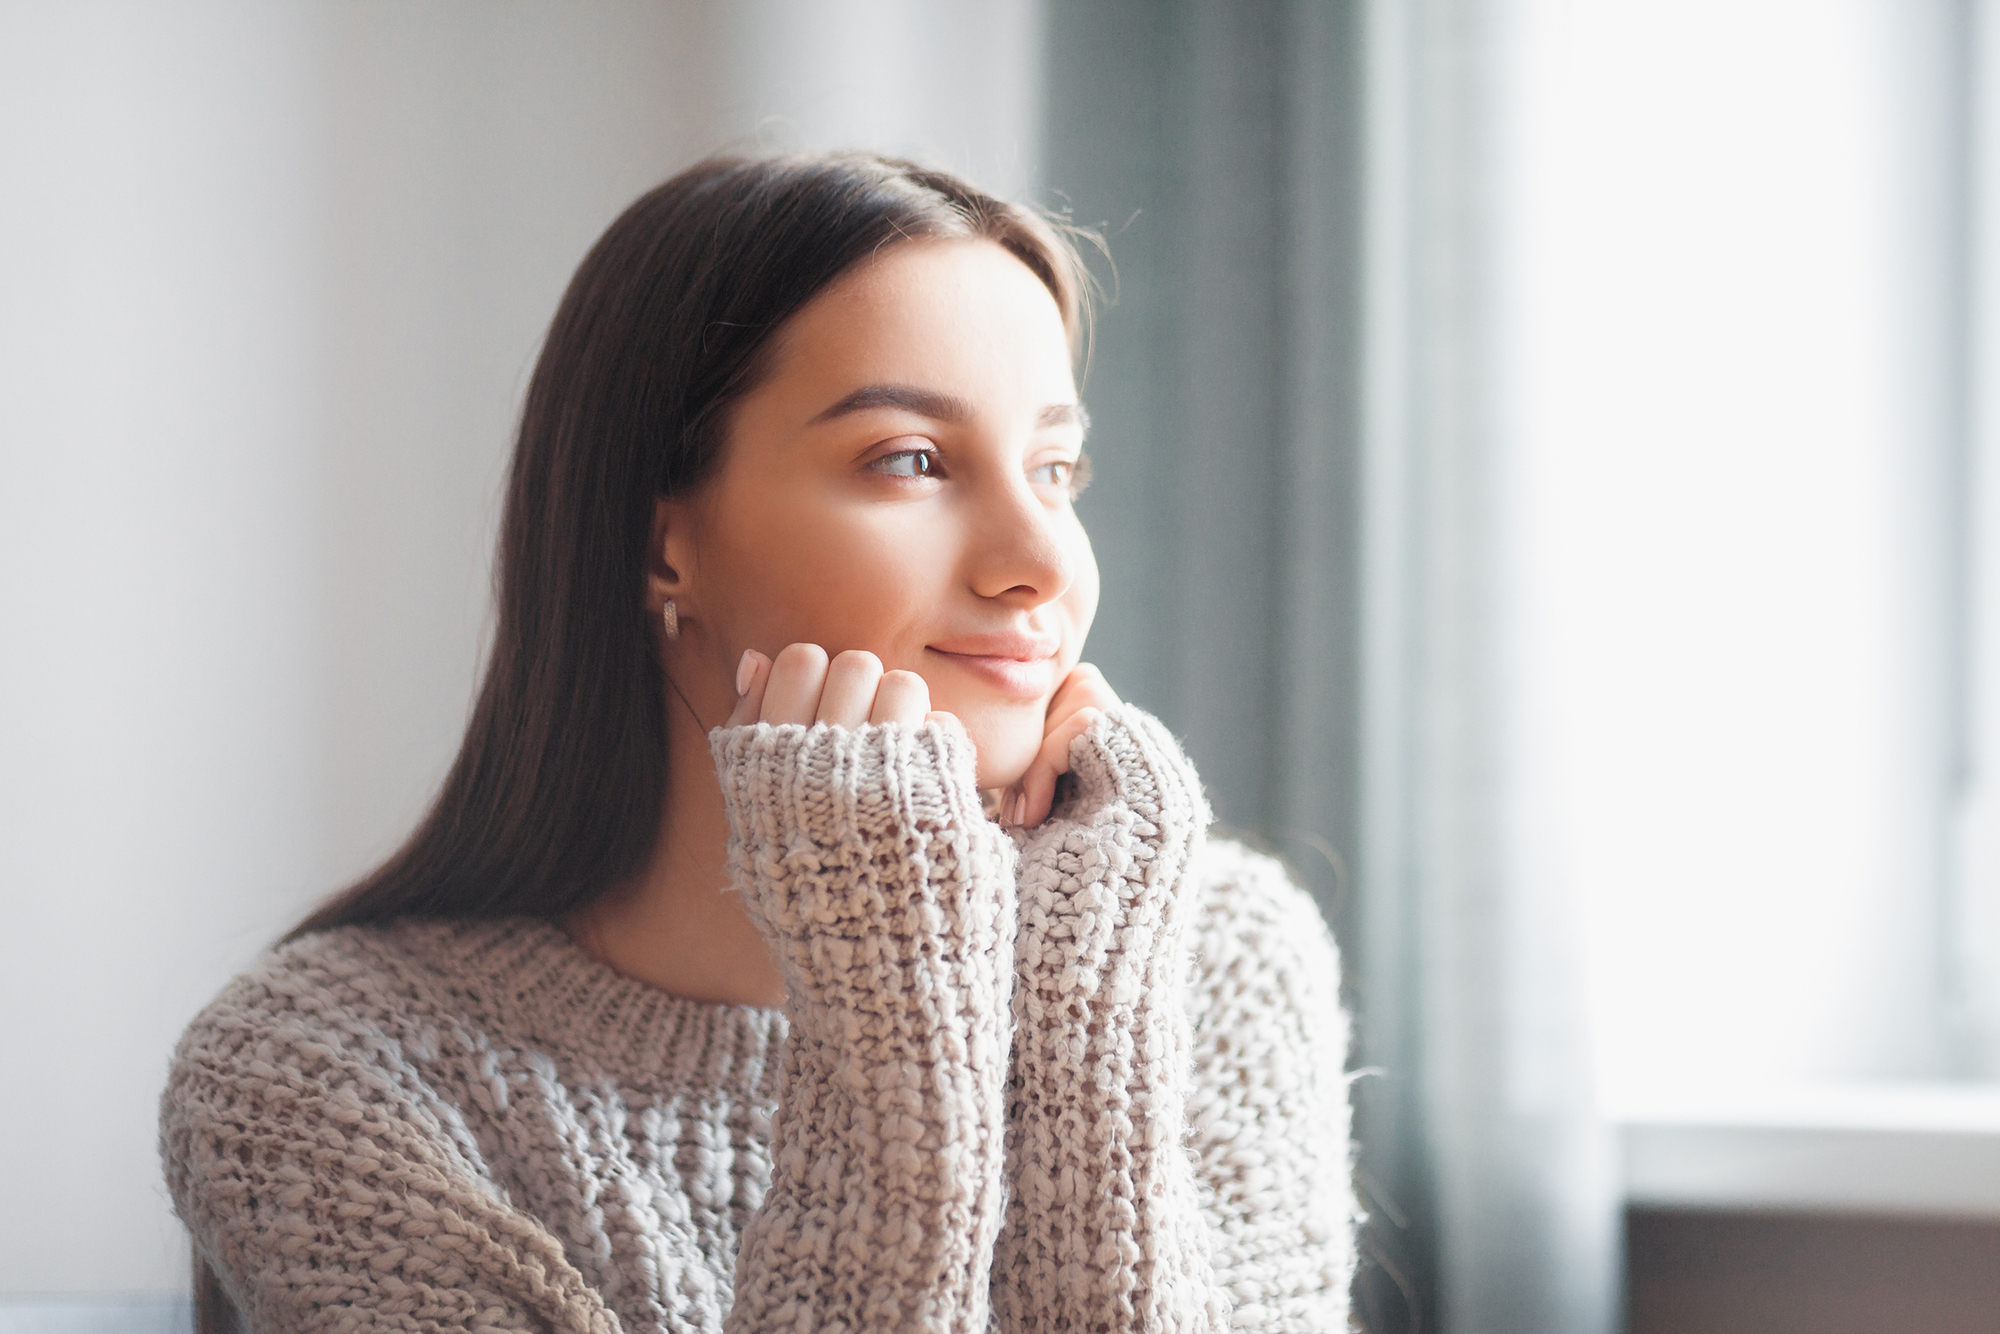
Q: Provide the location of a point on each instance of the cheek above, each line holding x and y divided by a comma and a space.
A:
817, 574
1081, 599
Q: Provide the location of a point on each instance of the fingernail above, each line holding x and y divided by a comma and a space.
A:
1020, 808
744, 671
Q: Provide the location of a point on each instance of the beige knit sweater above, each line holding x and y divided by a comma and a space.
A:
1086, 1078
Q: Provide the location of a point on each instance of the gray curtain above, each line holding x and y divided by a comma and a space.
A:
1296, 514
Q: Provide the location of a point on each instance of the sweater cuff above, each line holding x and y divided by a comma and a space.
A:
833, 782
803, 800
1129, 758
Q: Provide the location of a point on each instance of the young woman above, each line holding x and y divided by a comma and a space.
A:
805, 938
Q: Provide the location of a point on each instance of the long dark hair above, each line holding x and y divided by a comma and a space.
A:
557, 790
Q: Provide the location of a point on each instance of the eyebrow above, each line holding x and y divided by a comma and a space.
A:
940, 407
1064, 414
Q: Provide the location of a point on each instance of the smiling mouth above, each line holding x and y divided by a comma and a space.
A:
1022, 677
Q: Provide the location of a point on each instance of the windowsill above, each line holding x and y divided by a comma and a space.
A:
1931, 1148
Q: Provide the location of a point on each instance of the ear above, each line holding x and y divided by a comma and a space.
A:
670, 557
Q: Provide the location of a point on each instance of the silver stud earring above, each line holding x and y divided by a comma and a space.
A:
672, 617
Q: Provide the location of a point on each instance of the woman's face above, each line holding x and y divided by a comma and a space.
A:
901, 483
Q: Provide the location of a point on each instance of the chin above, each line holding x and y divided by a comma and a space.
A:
1006, 745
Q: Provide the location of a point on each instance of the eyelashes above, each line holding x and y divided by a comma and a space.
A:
1078, 476
910, 463
1072, 475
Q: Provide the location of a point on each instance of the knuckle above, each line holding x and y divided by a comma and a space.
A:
802, 655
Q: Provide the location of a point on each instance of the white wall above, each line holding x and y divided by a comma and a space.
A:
164, 567
271, 280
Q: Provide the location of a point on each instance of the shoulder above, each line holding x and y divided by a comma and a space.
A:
1259, 937
321, 1136
330, 993
314, 1065
340, 1029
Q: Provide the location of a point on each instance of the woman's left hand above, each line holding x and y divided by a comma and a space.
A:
1076, 705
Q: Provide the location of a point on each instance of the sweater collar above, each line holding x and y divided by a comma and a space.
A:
546, 991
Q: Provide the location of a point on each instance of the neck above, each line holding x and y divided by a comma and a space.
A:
676, 925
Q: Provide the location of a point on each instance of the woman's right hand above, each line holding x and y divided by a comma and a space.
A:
860, 853
801, 686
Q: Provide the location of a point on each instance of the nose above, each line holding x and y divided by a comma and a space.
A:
1020, 550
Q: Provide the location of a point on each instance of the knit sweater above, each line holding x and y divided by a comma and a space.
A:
1084, 1077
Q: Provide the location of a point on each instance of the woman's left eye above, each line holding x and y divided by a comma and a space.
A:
1070, 474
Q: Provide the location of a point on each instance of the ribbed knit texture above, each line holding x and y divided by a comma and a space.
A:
1105, 1231
1085, 1078
865, 861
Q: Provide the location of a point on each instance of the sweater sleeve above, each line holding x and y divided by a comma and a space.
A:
888, 898
1106, 1229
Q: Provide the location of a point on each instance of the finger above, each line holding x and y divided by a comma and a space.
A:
797, 675
1085, 675
1055, 749
1036, 794
850, 688
903, 697
1083, 687
752, 674
1008, 808
1038, 785
1082, 696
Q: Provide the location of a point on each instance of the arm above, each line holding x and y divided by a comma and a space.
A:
1268, 1112
1106, 1229
887, 897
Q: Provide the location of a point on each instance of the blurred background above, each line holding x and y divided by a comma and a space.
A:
1548, 470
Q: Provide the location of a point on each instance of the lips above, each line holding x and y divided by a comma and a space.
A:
1015, 644
1012, 662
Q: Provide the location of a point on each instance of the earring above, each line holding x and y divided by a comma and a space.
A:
672, 617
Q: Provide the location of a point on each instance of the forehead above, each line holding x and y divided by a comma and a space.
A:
961, 317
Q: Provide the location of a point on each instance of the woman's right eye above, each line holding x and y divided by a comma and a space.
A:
909, 463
